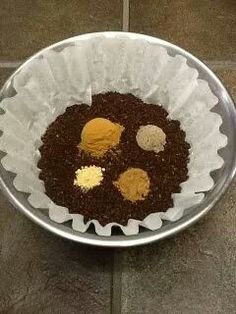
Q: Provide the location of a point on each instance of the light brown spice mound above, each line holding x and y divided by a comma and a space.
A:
151, 138
133, 184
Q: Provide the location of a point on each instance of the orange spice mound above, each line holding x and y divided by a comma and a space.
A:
99, 135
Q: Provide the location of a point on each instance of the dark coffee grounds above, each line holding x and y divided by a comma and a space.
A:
60, 158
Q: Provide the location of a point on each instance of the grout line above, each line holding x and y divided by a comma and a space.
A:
116, 288
125, 15
225, 65
10, 64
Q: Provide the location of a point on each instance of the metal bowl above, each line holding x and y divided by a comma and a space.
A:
222, 177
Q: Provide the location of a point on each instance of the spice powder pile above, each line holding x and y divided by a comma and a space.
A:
87, 178
99, 135
62, 156
133, 184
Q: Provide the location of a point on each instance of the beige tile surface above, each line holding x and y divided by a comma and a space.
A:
206, 28
27, 26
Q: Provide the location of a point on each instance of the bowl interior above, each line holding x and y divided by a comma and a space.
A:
222, 177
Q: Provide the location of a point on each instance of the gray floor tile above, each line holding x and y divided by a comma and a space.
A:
193, 272
27, 26
205, 28
41, 273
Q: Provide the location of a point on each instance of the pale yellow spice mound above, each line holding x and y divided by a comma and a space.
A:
87, 178
151, 138
134, 184
99, 135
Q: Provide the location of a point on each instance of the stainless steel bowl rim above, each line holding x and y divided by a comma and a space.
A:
168, 229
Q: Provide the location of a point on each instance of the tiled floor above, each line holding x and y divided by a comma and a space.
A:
206, 28
41, 273
40, 23
195, 272
191, 273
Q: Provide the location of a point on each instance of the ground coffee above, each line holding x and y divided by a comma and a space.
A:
60, 158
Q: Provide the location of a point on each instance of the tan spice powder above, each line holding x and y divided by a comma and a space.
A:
133, 184
151, 138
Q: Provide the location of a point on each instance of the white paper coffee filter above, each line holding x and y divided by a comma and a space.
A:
47, 85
